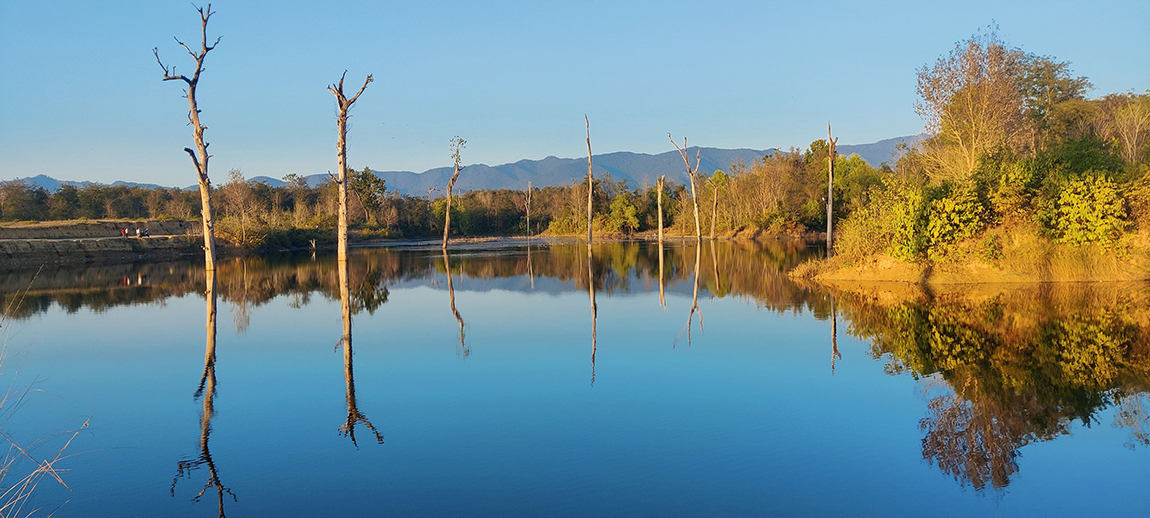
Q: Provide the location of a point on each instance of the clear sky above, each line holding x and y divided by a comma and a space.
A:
81, 96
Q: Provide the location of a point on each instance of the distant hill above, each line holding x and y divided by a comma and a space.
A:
51, 184
637, 168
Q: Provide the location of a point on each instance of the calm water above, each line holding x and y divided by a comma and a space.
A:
498, 390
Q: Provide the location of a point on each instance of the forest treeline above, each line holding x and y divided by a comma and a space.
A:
784, 192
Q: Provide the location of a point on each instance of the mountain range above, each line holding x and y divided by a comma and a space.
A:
637, 168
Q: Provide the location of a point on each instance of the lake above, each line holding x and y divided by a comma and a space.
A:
537, 380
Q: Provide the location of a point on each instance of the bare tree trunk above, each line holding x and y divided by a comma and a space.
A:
590, 183
662, 292
691, 174
527, 206
354, 416
830, 192
344, 105
200, 155
659, 186
714, 209
456, 143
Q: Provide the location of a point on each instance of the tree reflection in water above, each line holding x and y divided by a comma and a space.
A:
354, 416
694, 300
206, 391
464, 351
1003, 370
594, 308
1002, 367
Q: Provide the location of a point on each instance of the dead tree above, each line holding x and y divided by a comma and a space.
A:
590, 181
830, 191
691, 175
716, 182
659, 187
344, 105
455, 145
527, 207
200, 155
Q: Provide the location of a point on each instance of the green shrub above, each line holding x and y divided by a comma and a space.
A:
951, 218
1089, 210
1010, 196
908, 223
1138, 201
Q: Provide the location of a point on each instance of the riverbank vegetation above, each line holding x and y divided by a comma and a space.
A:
1020, 171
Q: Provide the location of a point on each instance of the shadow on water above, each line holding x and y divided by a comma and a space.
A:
998, 367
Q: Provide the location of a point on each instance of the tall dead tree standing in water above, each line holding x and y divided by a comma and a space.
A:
455, 145
691, 175
830, 191
591, 255
344, 105
590, 183
200, 155
527, 207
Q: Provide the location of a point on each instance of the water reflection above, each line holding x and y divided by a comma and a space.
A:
694, 299
835, 354
594, 308
998, 368
750, 271
464, 351
369, 291
1003, 369
207, 393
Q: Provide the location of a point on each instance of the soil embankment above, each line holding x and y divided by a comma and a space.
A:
31, 245
95, 229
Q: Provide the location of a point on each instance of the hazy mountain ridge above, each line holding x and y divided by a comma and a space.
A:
637, 168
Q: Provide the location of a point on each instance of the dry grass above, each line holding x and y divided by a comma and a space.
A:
16, 497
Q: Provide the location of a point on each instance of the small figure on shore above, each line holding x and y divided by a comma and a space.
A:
145, 233
137, 231
123, 232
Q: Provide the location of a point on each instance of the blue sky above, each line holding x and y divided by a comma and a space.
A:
81, 96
